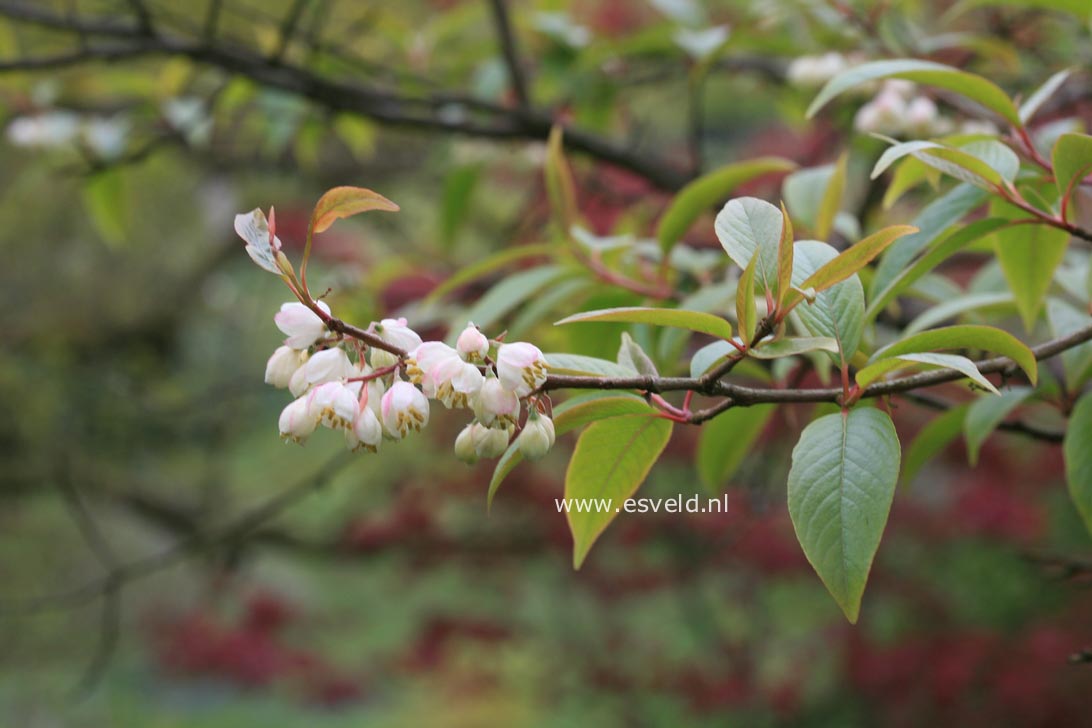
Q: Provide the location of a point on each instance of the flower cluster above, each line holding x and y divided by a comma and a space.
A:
372, 395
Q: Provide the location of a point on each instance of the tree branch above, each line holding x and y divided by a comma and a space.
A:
511, 53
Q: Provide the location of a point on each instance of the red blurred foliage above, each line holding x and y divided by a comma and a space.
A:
249, 652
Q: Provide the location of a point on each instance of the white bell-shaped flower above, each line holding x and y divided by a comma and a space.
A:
366, 432
464, 445
300, 324
328, 365
404, 409
472, 344
284, 363
334, 404
489, 442
537, 437
296, 422
495, 402
521, 367
395, 331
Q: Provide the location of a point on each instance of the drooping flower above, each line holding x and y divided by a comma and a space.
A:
395, 331
300, 324
334, 405
472, 344
296, 422
494, 401
284, 363
404, 409
521, 367
455, 381
464, 445
814, 71
366, 432
537, 437
425, 357
328, 365
489, 442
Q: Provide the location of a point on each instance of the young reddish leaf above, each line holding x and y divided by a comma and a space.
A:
342, 202
746, 314
784, 257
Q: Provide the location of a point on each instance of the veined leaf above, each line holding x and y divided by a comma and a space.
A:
725, 441
961, 364
485, 266
976, 88
842, 481
985, 414
342, 202
1078, 458
572, 414
837, 312
510, 292
1077, 362
986, 338
611, 460
704, 192
705, 323
746, 226
958, 306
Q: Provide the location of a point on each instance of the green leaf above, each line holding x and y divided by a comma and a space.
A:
704, 192
804, 191
961, 364
832, 199
837, 312
986, 338
342, 202
842, 481
784, 258
560, 187
726, 440
851, 260
1078, 458
792, 346
954, 241
985, 414
485, 266
1072, 160
611, 460
748, 225
1042, 94
705, 323
931, 440
104, 198
459, 186
632, 356
1077, 362
958, 306
1029, 255
581, 365
572, 414
976, 88
509, 293
933, 221
746, 313
710, 354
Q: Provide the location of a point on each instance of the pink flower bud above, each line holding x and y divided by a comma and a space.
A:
300, 324
521, 367
285, 362
404, 409
296, 422
472, 345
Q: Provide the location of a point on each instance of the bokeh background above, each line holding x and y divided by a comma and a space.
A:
136, 432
